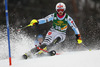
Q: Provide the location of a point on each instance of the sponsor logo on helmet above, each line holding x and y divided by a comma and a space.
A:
60, 6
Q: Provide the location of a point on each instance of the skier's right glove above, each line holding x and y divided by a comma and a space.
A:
78, 38
33, 22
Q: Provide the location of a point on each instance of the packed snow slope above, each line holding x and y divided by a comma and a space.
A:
22, 42
66, 59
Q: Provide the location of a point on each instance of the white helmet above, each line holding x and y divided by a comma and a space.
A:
60, 6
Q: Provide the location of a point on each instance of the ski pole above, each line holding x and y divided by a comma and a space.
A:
86, 46
23, 28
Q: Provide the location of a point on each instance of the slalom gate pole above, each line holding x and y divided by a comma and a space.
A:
7, 23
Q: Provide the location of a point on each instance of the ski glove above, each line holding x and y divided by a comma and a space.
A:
78, 38
33, 22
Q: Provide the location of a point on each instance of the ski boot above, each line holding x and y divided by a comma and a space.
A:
52, 53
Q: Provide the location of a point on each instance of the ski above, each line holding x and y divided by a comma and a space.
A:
53, 52
50, 53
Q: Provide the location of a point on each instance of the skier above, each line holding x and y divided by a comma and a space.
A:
57, 32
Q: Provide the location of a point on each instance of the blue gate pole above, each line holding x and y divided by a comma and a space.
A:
7, 23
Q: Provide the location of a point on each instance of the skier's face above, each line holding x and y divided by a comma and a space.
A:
60, 11
40, 40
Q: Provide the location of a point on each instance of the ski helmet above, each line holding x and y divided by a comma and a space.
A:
60, 7
39, 36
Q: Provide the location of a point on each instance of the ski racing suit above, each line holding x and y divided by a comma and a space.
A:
58, 28
57, 32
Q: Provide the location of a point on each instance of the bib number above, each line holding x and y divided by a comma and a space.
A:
58, 27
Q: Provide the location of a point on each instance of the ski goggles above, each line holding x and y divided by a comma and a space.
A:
58, 10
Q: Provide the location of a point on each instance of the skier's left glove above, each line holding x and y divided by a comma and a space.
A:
33, 22
78, 38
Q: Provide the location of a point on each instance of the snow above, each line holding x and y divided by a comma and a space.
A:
21, 43
66, 59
